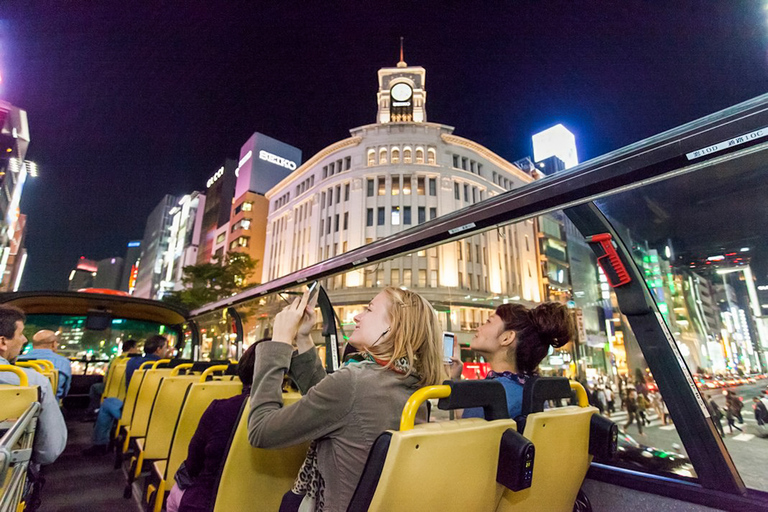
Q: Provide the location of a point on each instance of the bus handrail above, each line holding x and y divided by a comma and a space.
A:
215, 368
159, 362
23, 379
180, 367
581, 393
11, 437
30, 364
408, 417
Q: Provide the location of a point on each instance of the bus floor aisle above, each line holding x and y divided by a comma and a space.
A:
75, 483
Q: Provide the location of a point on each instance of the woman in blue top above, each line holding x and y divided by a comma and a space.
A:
514, 340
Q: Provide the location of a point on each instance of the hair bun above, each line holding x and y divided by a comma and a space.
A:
553, 323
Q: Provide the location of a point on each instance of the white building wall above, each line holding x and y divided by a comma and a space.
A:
298, 233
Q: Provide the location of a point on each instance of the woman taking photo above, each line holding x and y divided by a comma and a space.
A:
514, 340
399, 336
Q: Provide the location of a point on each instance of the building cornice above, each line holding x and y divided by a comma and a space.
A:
342, 144
487, 153
372, 126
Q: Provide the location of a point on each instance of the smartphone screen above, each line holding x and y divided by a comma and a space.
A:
448, 343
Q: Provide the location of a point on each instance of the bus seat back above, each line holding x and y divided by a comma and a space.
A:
256, 478
146, 399
165, 413
200, 396
16, 400
129, 404
561, 438
448, 466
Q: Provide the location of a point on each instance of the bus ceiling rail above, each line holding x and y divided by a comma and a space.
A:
649, 159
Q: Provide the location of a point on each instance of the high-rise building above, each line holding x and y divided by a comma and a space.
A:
155, 243
14, 171
130, 266
183, 242
108, 274
264, 162
393, 175
220, 190
82, 275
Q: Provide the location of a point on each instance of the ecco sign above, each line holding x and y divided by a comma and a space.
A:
213, 179
277, 160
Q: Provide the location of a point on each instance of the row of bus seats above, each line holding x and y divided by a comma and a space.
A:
18, 420
536, 460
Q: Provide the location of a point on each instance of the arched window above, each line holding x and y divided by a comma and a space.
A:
419, 156
371, 157
395, 156
431, 158
407, 155
382, 156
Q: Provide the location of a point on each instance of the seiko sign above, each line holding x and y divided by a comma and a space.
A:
213, 179
277, 160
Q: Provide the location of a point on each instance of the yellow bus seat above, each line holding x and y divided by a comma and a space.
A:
114, 386
129, 404
42, 369
561, 436
16, 401
165, 413
428, 454
200, 396
255, 478
145, 399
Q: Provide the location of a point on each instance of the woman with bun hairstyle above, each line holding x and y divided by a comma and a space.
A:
514, 340
398, 336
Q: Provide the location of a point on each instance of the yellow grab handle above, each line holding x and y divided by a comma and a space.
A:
159, 362
581, 393
182, 366
23, 380
419, 397
30, 364
42, 362
211, 369
146, 364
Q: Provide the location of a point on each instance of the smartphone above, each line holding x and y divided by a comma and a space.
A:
449, 340
313, 289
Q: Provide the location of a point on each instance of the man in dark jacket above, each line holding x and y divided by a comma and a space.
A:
761, 413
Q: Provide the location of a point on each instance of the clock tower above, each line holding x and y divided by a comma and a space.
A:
401, 94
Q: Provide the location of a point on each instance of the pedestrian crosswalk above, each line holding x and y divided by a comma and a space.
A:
749, 427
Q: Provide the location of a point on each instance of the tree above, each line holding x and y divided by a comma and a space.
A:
213, 281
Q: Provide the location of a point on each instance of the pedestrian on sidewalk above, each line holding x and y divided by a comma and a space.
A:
609, 399
716, 414
734, 404
631, 403
761, 412
642, 406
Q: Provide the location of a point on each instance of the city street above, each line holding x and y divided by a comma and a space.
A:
748, 450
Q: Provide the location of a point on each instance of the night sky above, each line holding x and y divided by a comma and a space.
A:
129, 101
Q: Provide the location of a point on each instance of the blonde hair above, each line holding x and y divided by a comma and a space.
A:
414, 334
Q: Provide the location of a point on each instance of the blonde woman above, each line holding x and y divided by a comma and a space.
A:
399, 336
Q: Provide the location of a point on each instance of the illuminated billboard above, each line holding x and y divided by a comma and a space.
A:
264, 162
556, 141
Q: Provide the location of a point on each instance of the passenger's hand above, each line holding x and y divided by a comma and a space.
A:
455, 368
288, 320
303, 339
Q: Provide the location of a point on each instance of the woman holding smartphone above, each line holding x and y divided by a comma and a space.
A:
344, 412
514, 340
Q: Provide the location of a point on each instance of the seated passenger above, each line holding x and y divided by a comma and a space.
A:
196, 483
45, 343
514, 340
342, 413
155, 348
51, 433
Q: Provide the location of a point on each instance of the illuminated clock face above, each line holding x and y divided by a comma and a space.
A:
401, 92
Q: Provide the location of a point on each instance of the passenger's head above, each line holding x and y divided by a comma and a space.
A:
12, 337
156, 345
755, 399
45, 339
401, 324
245, 365
523, 336
130, 346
